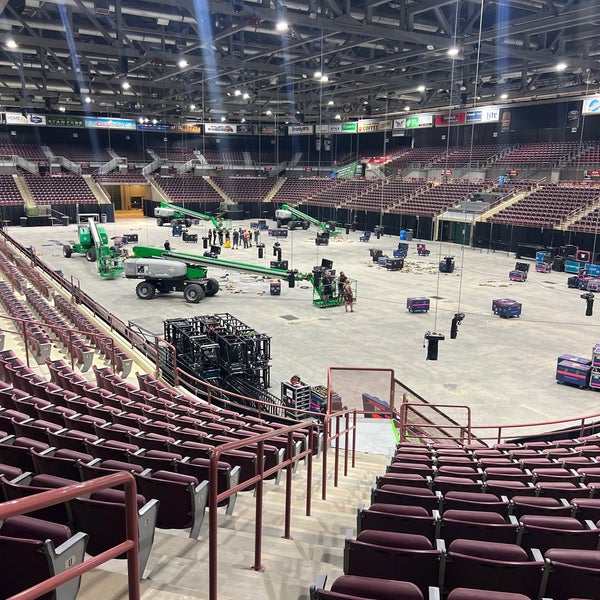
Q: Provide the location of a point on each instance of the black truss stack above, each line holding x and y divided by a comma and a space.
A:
221, 347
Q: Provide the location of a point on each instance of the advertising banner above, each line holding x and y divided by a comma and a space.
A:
505, 119
186, 128
591, 105
450, 119
108, 123
65, 121
368, 126
152, 127
300, 130
488, 114
269, 130
349, 127
323, 128
414, 121
20, 119
219, 128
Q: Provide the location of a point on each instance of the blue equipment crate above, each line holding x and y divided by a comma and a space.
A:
593, 284
419, 304
275, 287
595, 379
517, 276
572, 358
593, 270
573, 373
574, 266
507, 308
497, 301
544, 257
445, 268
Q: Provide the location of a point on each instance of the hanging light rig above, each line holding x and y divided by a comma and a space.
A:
431, 340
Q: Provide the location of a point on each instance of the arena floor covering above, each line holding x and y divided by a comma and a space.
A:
503, 369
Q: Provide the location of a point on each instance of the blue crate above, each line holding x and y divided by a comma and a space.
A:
572, 358
573, 373
593, 270
574, 266
419, 304
506, 308
275, 287
517, 276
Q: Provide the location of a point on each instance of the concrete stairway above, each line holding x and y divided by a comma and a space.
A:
178, 566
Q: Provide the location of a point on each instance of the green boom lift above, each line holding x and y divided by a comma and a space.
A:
292, 217
94, 244
167, 271
171, 213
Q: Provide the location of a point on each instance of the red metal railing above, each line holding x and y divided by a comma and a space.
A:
341, 431
56, 496
214, 497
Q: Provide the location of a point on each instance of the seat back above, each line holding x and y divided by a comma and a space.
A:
492, 566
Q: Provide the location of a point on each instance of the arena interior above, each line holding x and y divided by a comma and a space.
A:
297, 301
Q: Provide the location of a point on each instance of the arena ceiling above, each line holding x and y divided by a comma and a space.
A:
195, 60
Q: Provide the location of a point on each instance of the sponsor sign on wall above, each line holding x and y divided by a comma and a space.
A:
368, 126
414, 121
505, 120
300, 130
108, 123
20, 119
186, 128
488, 114
153, 127
219, 128
591, 105
64, 121
457, 118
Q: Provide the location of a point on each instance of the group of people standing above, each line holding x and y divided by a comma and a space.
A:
234, 238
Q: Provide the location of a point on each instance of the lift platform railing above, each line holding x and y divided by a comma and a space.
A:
59, 495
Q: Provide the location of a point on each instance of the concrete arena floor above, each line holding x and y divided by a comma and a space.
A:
504, 369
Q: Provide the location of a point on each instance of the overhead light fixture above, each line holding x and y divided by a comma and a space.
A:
62, 109
125, 85
223, 119
561, 66
503, 96
421, 88
243, 119
330, 103
192, 107
430, 47
269, 113
11, 44
318, 75
407, 107
182, 64
87, 100
338, 117
324, 78
281, 26
154, 121
245, 95
453, 51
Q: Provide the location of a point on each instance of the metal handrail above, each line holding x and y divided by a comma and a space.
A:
328, 437
214, 497
59, 495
